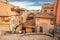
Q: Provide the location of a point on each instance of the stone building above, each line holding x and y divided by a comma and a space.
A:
48, 8
9, 15
24, 14
45, 19
30, 23
57, 17
22, 19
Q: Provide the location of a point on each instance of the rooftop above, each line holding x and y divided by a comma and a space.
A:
44, 15
30, 23
49, 6
6, 9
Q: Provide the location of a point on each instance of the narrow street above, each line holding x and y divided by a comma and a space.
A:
26, 37
29, 19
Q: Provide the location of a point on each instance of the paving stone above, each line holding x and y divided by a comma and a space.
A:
25, 37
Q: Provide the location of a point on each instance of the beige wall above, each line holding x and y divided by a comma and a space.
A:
5, 10
44, 20
45, 23
5, 26
14, 21
28, 30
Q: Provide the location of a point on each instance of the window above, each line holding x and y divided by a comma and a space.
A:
18, 10
12, 9
51, 13
29, 18
4, 19
45, 10
51, 10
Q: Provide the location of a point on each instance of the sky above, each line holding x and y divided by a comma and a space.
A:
30, 4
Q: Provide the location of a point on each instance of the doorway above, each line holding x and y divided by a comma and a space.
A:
24, 30
41, 29
33, 30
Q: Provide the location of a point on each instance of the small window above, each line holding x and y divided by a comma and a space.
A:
45, 10
51, 12
29, 18
4, 19
18, 10
12, 9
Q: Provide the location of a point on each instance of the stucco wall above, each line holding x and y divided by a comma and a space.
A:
5, 10
58, 13
48, 10
4, 26
45, 23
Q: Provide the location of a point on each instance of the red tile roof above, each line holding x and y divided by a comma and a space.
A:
44, 15
5, 9
30, 23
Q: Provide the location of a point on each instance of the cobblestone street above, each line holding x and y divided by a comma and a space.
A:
25, 37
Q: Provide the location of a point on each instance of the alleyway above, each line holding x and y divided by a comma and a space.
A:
26, 37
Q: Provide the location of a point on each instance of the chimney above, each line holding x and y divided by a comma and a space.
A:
7, 1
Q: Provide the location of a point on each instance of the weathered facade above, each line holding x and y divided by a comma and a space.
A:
48, 8
9, 15
22, 19
44, 19
24, 14
30, 23
57, 15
